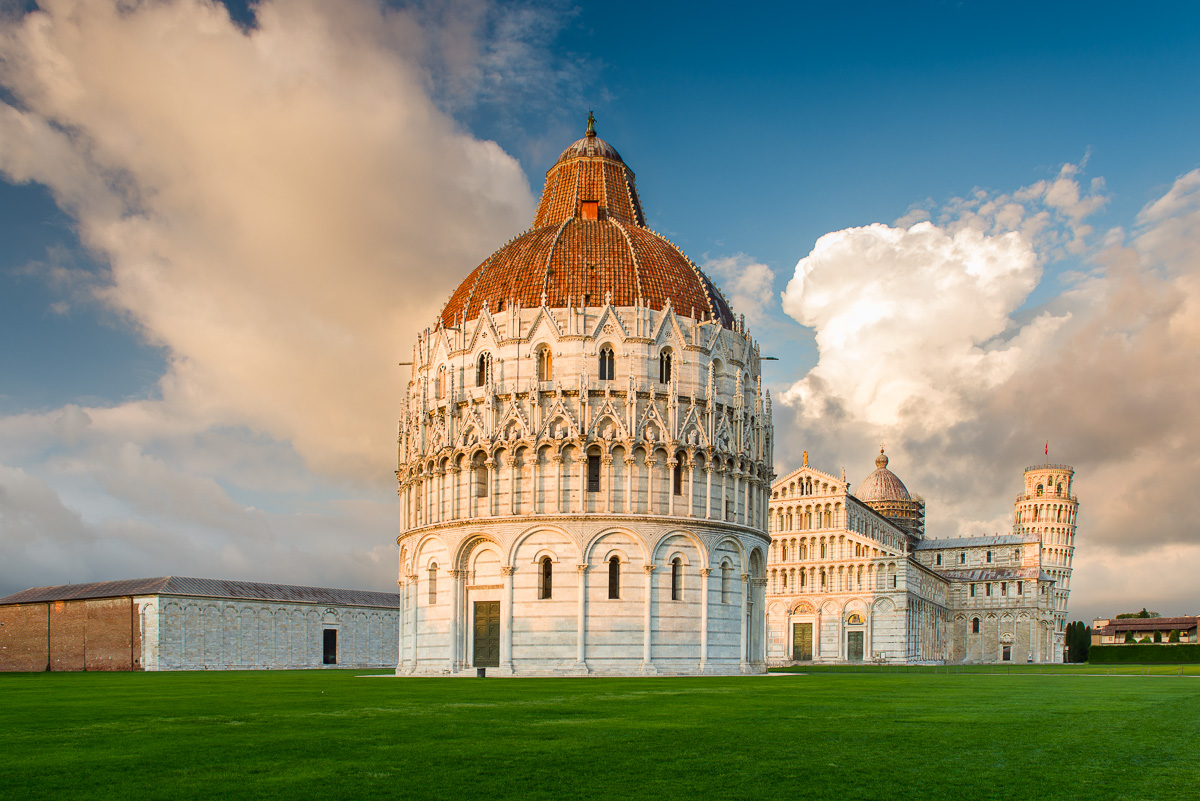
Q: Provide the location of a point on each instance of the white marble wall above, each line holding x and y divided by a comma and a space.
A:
180, 633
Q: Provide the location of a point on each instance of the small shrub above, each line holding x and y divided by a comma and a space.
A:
1158, 636
1145, 641
1129, 637
1173, 636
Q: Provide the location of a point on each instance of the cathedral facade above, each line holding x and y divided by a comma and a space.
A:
584, 456
852, 577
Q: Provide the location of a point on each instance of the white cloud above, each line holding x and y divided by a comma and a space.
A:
281, 210
747, 284
924, 344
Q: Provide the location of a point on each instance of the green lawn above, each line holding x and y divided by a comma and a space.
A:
828, 735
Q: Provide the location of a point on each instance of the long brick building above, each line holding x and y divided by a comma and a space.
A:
178, 623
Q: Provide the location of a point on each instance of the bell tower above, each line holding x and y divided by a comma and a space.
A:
1047, 508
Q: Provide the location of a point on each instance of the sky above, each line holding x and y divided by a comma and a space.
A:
965, 229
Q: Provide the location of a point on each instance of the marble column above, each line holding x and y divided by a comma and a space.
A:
704, 588
671, 464
581, 622
647, 631
745, 634
506, 620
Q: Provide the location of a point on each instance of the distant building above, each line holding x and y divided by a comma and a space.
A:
852, 577
176, 623
1120, 631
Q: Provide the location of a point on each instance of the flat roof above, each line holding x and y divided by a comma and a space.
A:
205, 588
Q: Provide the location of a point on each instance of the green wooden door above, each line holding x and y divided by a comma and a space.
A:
802, 642
854, 646
487, 634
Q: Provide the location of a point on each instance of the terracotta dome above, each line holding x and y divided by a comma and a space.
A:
882, 485
588, 245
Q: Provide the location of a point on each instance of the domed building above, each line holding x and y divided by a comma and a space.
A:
852, 577
585, 454
884, 492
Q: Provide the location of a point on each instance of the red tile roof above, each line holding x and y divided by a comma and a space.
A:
204, 588
1150, 624
573, 261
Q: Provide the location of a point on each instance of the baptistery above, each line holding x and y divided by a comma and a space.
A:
585, 454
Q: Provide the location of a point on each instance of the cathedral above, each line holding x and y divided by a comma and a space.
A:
853, 578
585, 455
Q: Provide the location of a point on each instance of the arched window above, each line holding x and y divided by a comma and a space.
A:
664, 366
545, 364
608, 364
432, 583
783, 558
785, 579
483, 366
676, 579
614, 578
439, 383
1039, 490
726, 570
677, 477
545, 577
481, 476
989, 557
593, 472
974, 625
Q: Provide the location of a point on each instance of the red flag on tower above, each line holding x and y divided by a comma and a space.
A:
1047, 447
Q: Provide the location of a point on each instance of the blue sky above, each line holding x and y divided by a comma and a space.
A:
754, 132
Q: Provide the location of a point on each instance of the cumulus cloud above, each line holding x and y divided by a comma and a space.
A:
926, 344
280, 208
747, 284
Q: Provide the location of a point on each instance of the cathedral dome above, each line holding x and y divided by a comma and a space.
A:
588, 246
883, 484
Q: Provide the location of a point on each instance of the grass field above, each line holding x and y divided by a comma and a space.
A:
828, 735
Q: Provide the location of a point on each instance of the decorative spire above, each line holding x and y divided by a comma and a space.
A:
591, 129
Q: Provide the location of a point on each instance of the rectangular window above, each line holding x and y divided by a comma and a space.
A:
972, 590
962, 558
987, 589
1004, 588
1020, 588
989, 557
593, 476
330, 647
939, 558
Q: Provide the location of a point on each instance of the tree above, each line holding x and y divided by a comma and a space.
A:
1158, 636
1142, 614
1129, 637
1173, 636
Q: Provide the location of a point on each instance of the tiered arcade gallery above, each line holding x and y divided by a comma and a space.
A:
585, 455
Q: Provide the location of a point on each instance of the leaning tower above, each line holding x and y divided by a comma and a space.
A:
1047, 508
